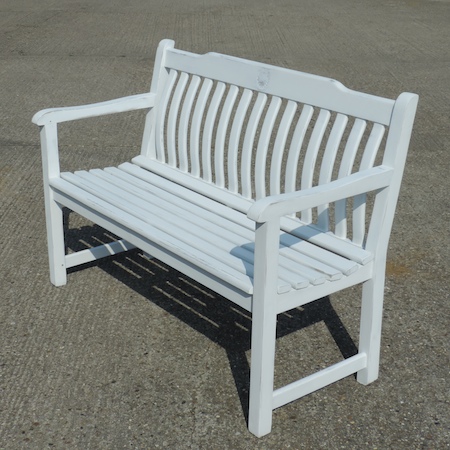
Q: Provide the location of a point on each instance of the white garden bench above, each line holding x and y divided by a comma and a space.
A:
252, 180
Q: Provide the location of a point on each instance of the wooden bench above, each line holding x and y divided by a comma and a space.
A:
272, 187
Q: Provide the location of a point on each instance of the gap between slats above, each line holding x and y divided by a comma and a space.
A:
237, 258
216, 260
202, 225
224, 134
207, 195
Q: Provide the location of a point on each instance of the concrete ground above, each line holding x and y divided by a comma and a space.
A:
132, 355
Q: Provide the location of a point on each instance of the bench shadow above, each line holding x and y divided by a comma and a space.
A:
221, 321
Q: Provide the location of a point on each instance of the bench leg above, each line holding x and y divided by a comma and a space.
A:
264, 326
370, 331
53, 210
55, 240
262, 373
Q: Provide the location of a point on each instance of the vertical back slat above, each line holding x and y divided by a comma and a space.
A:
326, 168
345, 169
172, 118
352, 147
184, 123
263, 145
196, 125
296, 147
226, 137
233, 143
359, 219
311, 156
208, 131
279, 147
222, 128
359, 202
247, 148
372, 146
161, 115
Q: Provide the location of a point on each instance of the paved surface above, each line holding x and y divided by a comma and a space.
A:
131, 355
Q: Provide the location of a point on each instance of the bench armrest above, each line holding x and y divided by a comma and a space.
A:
64, 114
276, 206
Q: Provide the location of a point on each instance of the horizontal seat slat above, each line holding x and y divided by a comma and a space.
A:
204, 225
159, 237
187, 194
158, 217
202, 240
317, 255
196, 184
234, 238
244, 227
315, 271
328, 242
241, 224
201, 224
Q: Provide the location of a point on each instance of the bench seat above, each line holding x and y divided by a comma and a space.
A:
214, 236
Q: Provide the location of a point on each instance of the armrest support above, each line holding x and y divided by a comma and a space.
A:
275, 206
64, 114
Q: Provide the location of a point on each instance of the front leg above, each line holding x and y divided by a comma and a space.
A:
53, 211
264, 322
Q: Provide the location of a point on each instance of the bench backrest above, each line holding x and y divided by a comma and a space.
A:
259, 130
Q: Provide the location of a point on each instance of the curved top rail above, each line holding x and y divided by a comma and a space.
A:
289, 84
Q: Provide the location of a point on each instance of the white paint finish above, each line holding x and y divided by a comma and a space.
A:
309, 162
195, 128
65, 114
159, 78
316, 255
359, 201
327, 241
247, 148
184, 126
53, 210
215, 231
208, 130
201, 207
332, 147
235, 135
292, 299
94, 253
189, 192
318, 380
160, 116
196, 184
326, 168
279, 148
264, 323
172, 122
351, 148
263, 145
295, 148
255, 252
150, 247
301, 87
395, 155
345, 169
372, 146
219, 155
129, 218
290, 202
